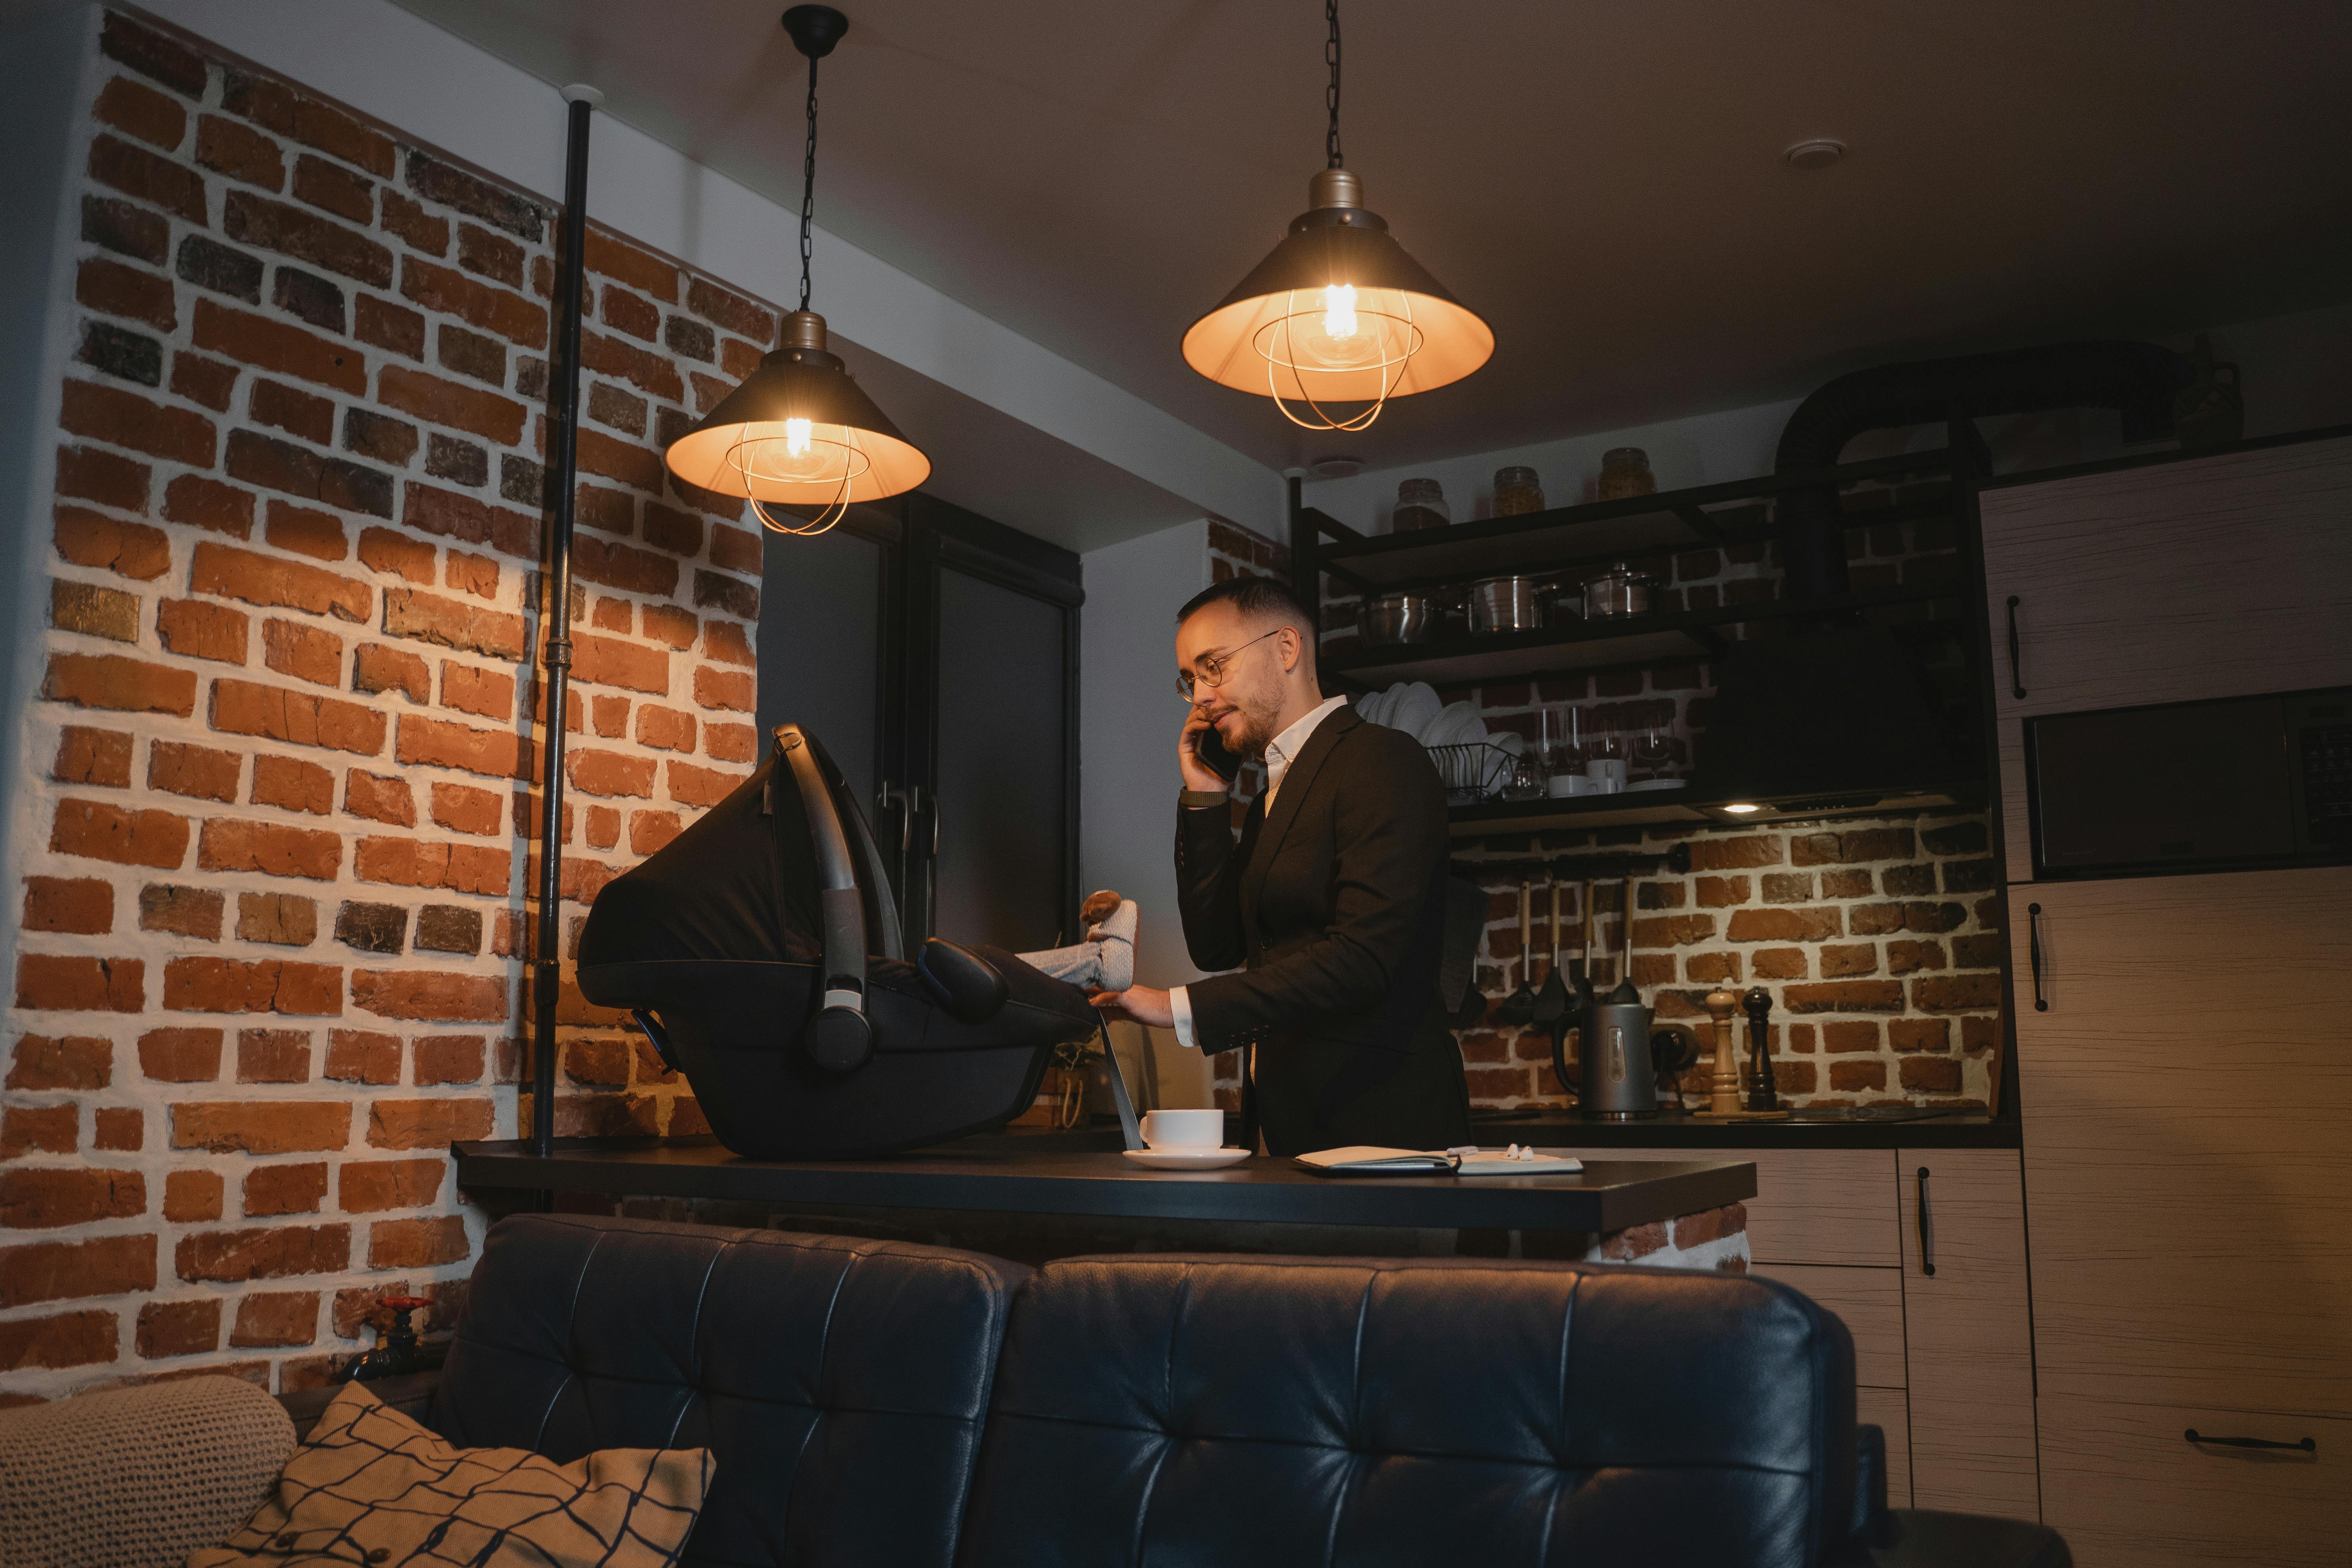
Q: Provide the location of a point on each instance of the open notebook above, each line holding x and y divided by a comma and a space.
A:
1368, 1160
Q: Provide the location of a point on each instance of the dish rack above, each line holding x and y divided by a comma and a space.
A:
1474, 771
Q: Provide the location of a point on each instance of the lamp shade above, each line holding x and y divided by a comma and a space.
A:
1338, 312
798, 431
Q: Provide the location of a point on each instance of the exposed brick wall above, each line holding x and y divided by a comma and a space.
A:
1879, 941
274, 913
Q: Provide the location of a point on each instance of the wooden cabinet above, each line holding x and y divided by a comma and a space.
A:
2220, 576
2187, 1110
1967, 1332
2126, 1488
1943, 1362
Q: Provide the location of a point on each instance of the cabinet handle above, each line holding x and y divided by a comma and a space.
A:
2016, 686
2308, 1446
2033, 955
1927, 1229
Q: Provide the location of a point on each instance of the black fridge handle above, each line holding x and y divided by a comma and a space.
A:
2033, 955
2016, 685
1927, 1229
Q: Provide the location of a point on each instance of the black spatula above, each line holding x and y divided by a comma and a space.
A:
1552, 1001
1519, 1006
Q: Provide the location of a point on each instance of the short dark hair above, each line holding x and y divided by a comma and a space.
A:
1259, 599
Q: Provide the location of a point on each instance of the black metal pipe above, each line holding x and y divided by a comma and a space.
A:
547, 949
2139, 379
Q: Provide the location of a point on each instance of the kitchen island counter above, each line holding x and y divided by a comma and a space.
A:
1608, 1197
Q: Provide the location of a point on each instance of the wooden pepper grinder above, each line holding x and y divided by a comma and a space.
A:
1762, 1093
1723, 1006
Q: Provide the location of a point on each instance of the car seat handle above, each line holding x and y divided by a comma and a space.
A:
839, 1037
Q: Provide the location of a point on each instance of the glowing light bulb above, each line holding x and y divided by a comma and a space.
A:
796, 436
1339, 310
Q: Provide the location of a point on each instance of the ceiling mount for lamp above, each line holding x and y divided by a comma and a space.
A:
800, 432
1338, 318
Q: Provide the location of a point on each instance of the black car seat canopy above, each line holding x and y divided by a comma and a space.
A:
763, 944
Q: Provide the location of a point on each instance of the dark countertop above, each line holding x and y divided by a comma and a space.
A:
1953, 1129
1549, 1130
1608, 1195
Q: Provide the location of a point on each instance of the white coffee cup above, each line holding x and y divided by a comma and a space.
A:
1184, 1129
1607, 774
1566, 784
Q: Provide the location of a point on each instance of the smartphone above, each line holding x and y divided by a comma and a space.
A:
1210, 747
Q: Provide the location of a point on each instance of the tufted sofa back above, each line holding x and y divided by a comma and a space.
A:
841, 1384
1279, 1412
1250, 1412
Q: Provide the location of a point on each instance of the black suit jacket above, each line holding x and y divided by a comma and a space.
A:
1334, 910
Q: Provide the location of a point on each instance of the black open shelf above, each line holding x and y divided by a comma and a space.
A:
1592, 533
1584, 813
1584, 645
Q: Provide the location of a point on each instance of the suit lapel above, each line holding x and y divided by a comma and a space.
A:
1296, 783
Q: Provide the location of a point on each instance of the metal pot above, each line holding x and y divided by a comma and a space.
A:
1620, 591
1387, 619
1506, 605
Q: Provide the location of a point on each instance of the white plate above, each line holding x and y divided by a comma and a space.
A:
1656, 783
1186, 1159
1414, 708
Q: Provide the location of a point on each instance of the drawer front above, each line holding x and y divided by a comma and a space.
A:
2186, 1094
2127, 1490
1869, 1301
1888, 1410
1811, 1206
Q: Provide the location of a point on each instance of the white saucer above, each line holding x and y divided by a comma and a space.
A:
1186, 1159
1656, 783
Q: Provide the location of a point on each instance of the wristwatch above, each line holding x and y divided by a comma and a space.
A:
1197, 799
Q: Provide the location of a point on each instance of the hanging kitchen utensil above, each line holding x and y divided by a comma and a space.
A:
1584, 947
1519, 1006
1625, 996
1473, 1011
1580, 990
1552, 1001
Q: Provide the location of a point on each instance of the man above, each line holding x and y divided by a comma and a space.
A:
1332, 905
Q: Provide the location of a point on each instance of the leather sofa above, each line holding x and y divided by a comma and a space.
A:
879, 1402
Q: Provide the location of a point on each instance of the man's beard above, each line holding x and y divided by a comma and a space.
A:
1257, 717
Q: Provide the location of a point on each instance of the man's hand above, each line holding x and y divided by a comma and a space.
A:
1196, 774
1139, 1003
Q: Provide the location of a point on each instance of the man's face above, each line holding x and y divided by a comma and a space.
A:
1243, 708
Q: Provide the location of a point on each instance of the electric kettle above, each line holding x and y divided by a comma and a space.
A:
1617, 1072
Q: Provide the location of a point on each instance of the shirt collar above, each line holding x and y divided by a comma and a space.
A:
1284, 749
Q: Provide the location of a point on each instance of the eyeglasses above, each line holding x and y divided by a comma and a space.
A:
1212, 666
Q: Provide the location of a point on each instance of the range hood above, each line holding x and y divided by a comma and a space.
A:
1834, 712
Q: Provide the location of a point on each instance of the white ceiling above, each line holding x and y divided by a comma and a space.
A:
1600, 181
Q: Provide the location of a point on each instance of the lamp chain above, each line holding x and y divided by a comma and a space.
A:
808, 183
1330, 93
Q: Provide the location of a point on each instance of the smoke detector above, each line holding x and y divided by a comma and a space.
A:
1338, 467
1818, 152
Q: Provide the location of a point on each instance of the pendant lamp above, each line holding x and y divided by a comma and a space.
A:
800, 431
1337, 320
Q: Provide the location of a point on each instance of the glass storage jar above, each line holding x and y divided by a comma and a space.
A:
1420, 503
1626, 471
1518, 491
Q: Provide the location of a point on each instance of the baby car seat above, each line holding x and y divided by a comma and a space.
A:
760, 951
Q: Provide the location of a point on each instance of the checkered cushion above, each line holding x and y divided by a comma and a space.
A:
370, 1486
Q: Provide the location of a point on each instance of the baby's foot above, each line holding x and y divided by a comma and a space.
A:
1116, 934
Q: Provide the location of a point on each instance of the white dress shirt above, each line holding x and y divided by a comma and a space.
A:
1280, 752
